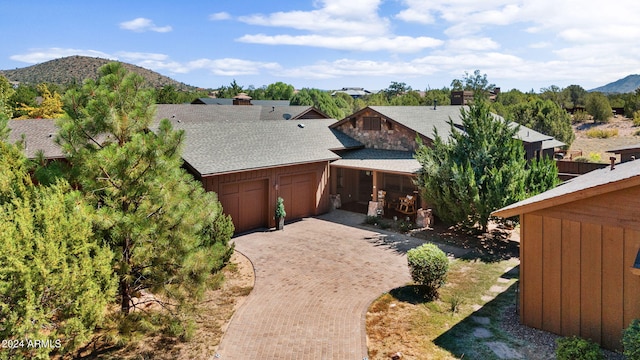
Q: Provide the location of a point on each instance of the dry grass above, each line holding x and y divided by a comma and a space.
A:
205, 329
601, 133
401, 321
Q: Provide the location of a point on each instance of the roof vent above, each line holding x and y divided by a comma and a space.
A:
301, 126
435, 104
286, 116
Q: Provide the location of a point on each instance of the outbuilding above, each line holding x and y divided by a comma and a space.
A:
579, 243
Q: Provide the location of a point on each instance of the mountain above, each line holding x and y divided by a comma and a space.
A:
77, 68
625, 85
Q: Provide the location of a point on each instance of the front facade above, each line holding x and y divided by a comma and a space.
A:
578, 246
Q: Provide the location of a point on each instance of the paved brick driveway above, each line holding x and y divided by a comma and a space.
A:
314, 283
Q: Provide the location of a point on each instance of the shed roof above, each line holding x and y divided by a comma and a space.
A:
588, 185
629, 148
392, 161
39, 134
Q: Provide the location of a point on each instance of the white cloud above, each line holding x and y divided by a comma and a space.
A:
143, 25
220, 16
338, 17
232, 67
35, 56
540, 45
397, 44
472, 44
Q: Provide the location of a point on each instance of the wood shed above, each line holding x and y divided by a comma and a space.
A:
579, 242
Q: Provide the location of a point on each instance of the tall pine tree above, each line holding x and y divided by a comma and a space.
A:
167, 232
475, 171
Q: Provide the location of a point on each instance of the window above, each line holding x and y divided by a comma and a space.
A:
372, 123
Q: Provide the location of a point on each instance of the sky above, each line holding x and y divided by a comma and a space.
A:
331, 44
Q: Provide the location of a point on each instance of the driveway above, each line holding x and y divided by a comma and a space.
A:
314, 283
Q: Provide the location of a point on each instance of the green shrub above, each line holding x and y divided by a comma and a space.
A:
428, 266
580, 116
601, 133
636, 118
631, 340
575, 348
371, 220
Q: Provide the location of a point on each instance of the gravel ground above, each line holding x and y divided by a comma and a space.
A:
537, 344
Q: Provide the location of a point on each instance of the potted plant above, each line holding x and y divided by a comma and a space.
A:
280, 213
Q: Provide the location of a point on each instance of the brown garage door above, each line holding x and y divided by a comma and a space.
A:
246, 202
298, 193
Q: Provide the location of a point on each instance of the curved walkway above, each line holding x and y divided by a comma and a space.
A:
314, 283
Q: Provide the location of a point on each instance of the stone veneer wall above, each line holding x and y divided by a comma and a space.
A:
391, 136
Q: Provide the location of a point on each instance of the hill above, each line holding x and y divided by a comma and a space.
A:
624, 85
77, 68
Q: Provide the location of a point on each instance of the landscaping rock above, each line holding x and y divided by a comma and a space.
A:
503, 351
482, 333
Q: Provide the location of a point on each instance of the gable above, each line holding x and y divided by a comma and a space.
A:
377, 131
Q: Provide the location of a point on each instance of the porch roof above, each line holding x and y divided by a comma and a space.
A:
391, 161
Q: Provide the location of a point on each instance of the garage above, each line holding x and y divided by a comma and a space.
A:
299, 195
246, 202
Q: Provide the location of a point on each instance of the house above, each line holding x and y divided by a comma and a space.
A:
627, 153
578, 246
238, 101
250, 155
388, 135
354, 92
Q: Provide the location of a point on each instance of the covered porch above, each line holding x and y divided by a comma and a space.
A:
372, 175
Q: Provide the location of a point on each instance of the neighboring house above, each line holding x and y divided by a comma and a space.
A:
627, 153
354, 92
465, 97
389, 135
578, 246
241, 99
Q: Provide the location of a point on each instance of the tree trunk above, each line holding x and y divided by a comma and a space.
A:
125, 286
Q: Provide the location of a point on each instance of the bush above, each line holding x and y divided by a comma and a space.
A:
601, 133
428, 266
575, 348
631, 340
636, 118
580, 116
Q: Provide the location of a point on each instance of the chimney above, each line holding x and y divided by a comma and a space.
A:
613, 162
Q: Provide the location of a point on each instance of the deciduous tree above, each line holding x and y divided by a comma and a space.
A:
50, 108
6, 92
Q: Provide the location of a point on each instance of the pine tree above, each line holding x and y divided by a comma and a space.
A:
55, 278
474, 172
158, 220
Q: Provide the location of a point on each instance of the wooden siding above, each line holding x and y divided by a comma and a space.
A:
318, 190
576, 261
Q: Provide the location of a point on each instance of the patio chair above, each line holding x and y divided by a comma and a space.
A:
407, 205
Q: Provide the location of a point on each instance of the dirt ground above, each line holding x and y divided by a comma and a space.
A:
585, 145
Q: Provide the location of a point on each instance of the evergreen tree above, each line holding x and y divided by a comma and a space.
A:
322, 100
160, 223
475, 171
598, 106
55, 278
542, 175
544, 116
6, 92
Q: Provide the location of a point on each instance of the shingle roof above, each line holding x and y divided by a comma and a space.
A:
424, 119
377, 159
587, 185
39, 135
225, 101
625, 148
231, 139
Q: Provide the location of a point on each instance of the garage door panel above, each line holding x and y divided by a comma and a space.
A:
246, 203
298, 193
